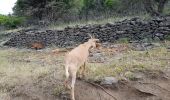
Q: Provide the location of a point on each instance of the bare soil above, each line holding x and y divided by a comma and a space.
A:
150, 87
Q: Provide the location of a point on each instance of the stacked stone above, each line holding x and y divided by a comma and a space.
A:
134, 29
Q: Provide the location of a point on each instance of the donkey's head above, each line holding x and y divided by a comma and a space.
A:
92, 41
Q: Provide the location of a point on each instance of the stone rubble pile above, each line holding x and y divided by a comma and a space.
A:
134, 29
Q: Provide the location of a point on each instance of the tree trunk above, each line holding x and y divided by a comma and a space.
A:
161, 5
149, 8
86, 14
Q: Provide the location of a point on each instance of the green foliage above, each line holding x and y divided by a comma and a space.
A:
123, 40
112, 3
78, 4
88, 3
167, 37
73, 10
10, 21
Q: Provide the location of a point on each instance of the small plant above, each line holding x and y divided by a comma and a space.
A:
138, 67
58, 89
129, 75
112, 3
123, 40
167, 37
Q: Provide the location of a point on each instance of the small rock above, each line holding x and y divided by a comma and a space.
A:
134, 76
159, 34
138, 47
138, 76
97, 55
109, 81
156, 44
128, 74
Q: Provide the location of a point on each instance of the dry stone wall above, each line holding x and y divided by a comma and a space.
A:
134, 29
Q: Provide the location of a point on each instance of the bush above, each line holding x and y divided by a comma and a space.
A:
11, 21
112, 3
167, 37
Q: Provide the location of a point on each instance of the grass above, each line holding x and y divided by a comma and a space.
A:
58, 89
19, 66
22, 66
167, 37
123, 40
61, 26
157, 58
113, 19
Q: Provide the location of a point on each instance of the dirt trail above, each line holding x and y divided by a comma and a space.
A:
147, 88
157, 88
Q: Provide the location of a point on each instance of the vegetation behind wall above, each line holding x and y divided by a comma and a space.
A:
67, 11
10, 21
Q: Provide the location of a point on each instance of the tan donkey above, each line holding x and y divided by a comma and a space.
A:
76, 58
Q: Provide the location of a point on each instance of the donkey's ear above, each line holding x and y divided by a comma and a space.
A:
96, 40
90, 35
93, 36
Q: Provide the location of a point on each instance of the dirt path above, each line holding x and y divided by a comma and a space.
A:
147, 88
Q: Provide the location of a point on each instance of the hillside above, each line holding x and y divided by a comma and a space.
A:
132, 62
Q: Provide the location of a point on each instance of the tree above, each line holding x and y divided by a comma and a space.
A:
155, 7
71, 10
161, 5
51, 9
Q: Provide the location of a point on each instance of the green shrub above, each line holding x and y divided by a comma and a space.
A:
123, 40
167, 37
10, 21
112, 3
